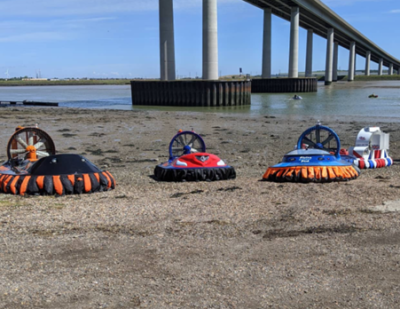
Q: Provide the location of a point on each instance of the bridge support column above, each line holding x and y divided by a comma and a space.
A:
167, 44
309, 55
368, 63
210, 40
329, 57
380, 68
391, 69
266, 59
352, 61
355, 64
335, 61
294, 43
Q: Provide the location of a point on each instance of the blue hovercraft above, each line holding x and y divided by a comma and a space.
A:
316, 159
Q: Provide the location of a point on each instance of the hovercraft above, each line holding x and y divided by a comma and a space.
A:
316, 159
34, 168
373, 96
371, 149
189, 161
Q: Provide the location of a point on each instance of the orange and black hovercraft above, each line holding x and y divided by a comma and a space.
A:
189, 161
34, 168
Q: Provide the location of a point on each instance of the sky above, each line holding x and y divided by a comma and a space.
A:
120, 38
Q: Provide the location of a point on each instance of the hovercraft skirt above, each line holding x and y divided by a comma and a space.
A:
311, 173
194, 174
56, 184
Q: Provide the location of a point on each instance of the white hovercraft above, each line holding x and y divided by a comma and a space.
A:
371, 149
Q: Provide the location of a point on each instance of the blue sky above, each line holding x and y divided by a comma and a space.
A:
119, 38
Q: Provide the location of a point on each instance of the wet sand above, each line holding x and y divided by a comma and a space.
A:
243, 243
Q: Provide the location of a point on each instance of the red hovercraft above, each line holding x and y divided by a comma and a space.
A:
189, 161
33, 168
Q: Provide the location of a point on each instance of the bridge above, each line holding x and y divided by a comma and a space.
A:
312, 15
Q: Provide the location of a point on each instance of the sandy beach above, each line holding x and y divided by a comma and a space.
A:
243, 243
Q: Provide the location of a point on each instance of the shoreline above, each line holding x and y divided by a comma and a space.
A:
197, 112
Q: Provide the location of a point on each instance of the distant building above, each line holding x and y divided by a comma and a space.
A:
34, 79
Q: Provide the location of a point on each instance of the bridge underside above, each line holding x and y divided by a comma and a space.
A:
318, 23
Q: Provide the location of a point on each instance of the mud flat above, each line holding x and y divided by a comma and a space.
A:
233, 244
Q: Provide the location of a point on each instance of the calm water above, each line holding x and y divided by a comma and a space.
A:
327, 101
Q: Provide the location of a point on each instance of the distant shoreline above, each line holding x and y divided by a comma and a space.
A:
102, 82
18, 83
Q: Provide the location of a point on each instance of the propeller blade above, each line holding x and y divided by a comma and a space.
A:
21, 142
17, 151
42, 154
38, 145
309, 142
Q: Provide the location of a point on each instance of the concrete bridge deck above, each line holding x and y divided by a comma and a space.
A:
317, 16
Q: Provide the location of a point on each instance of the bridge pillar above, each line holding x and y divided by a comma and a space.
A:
352, 61
266, 59
355, 63
335, 61
294, 43
368, 63
380, 68
167, 44
329, 57
210, 40
391, 69
309, 52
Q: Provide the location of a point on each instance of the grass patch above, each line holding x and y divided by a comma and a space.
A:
10, 203
57, 206
376, 77
6, 203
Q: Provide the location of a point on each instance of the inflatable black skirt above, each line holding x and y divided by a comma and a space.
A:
163, 173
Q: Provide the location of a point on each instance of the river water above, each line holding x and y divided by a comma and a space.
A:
340, 99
